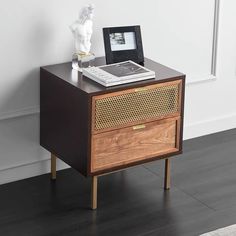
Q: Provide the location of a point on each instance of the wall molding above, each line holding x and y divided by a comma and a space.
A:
194, 80
213, 70
215, 37
202, 79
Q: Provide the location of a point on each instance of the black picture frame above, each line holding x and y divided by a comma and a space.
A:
115, 38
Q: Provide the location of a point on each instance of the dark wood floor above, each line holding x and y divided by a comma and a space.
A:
131, 202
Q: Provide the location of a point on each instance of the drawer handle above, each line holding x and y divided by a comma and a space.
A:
139, 127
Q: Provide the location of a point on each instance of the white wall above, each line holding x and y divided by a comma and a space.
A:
35, 33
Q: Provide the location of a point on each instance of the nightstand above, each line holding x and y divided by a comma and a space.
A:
97, 130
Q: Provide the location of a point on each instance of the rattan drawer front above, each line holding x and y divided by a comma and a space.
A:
133, 106
127, 145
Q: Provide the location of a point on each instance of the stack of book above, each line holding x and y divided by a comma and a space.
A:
118, 73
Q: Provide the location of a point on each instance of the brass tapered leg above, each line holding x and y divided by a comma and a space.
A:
94, 192
53, 166
167, 174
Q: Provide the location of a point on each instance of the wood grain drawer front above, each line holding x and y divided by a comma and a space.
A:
133, 106
127, 145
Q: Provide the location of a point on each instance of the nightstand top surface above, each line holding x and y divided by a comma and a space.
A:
65, 72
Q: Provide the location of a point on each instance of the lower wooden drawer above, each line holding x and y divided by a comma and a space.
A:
127, 145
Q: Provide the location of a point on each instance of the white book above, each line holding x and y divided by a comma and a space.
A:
118, 73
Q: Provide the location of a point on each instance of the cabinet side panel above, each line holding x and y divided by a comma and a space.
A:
64, 121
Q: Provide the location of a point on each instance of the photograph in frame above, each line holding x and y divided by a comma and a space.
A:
123, 43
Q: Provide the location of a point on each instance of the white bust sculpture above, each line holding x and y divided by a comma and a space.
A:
82, 30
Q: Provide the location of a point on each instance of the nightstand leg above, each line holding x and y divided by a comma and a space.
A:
94, 192
167, 174
53, 166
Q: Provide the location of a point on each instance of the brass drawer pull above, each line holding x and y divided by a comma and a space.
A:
139, 127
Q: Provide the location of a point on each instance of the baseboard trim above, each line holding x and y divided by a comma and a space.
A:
210, 126
23, 164
27, 170
18, 113
39, 167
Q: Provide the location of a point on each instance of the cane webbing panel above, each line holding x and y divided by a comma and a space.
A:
134, 106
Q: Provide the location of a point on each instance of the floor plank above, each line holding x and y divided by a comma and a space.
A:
207, 173
131, 202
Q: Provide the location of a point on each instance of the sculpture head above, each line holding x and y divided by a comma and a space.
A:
86, 13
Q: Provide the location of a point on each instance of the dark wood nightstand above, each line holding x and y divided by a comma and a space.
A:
98, 130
